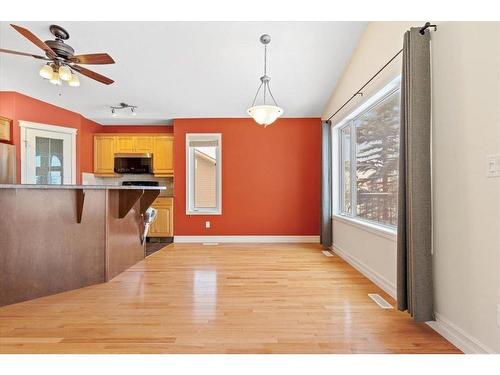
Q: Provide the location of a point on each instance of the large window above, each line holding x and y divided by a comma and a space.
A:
203, 177
368, 143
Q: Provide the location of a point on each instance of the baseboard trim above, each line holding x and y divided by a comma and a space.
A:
455, 335
248, 239
461, 339
370, 273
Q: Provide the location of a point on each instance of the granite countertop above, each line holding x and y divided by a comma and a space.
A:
89, 187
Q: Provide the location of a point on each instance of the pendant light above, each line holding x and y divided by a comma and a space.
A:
265, 114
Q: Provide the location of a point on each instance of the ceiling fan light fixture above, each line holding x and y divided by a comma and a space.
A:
61, 56
46, 72
74, 81
55, 80
65, 73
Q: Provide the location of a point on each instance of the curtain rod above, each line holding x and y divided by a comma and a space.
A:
359, 92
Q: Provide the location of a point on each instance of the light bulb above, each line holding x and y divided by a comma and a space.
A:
46, 72
64, 73
132, 109
113, 112
74, 81
265, 114
55, 80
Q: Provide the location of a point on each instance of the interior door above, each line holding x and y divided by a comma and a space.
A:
48, 158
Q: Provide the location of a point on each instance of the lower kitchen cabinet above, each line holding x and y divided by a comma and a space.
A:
163, 226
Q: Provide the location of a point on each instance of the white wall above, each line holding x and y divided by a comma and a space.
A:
371, 253
466, 128
466, 204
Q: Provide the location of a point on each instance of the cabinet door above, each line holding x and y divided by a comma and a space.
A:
143, 144
163, 224
104, 155
163, 156
124, 144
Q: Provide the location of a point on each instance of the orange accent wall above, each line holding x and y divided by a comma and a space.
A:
18, 107
137, 129
86, 148
270, 177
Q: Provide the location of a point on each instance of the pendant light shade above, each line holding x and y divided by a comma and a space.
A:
74, 81
55, 80
46, 72
65, 73
265, 114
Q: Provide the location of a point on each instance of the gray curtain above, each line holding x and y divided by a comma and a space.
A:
414, 258
326, 185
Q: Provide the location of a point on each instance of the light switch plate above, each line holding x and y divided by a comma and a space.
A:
207, 224
493, 166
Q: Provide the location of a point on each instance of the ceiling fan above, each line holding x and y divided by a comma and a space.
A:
63, 63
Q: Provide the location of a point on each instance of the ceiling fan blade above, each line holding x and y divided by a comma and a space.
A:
24, 54
93, 75
35, 40
93, 58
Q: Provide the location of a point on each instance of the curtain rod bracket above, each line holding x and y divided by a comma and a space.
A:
426, 26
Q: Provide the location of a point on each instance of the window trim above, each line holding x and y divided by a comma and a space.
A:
370, 226
190, 175
337, 158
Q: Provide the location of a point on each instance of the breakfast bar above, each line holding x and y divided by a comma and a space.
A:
55, 238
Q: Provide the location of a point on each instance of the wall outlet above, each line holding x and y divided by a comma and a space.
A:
207, 224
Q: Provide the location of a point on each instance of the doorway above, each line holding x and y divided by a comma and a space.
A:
48, 154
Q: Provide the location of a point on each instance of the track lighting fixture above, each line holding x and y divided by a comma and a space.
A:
122, 106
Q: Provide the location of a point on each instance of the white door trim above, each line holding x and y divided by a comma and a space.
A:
24, 125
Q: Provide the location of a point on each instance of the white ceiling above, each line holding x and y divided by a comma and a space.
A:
188, 69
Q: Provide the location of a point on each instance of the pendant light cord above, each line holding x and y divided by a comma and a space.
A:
265, 71
265, 59
265, 83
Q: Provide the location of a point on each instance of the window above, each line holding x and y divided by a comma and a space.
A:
203, 177
48, 155
368, 144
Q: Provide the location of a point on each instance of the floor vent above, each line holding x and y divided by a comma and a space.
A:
210, 243
380, 301
327, 253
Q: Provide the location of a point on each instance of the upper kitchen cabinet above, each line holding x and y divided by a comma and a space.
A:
104, 155
126, 144
159, 146
163, 156
143, 144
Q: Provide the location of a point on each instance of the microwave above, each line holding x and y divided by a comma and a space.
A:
133, 163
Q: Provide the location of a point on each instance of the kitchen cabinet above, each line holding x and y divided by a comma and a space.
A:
134, 144
163, 226
124, 144
163, 156
160, 146
143, 144
104, 155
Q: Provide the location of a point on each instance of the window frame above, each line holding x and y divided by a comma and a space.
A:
349, 121
190, 170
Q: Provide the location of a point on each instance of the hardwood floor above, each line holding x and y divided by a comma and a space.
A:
230, 298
